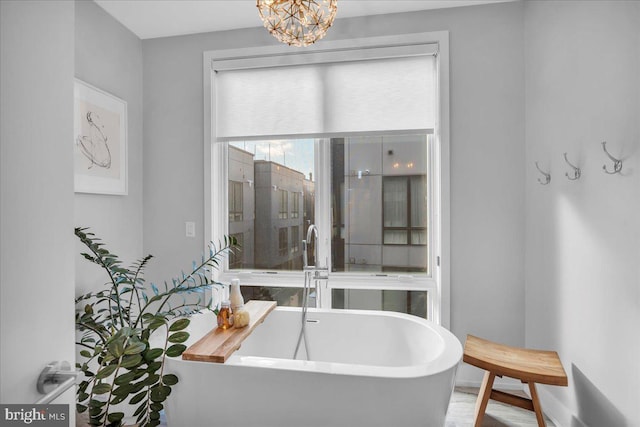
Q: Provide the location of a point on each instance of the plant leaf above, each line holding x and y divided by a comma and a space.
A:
138, 397
135, 347
97, 403
137, 387
116, 347
125, 378
114, 417
140, 409
154, 366
178, 337
159, 393
119, 399
124, 390
156, 323
176, 350
94, 412
106, 371
170, 379
179, 325
151, 379
153, 353
131, 361
101, 388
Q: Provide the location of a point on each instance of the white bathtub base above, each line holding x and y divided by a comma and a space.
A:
266, 398
257, 391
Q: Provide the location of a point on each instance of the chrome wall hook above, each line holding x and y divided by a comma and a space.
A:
576, 170
547, 176
617, 164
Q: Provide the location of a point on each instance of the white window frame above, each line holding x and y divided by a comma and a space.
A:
216, 155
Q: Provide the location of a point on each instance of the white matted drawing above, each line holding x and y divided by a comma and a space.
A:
100, 141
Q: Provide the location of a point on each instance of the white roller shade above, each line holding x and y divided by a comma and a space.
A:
365, 95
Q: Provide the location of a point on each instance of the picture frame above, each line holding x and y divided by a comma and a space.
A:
100, 141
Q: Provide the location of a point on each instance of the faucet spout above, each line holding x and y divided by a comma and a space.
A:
312, 273
312, 231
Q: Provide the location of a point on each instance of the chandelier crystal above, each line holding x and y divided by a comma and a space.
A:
297, 22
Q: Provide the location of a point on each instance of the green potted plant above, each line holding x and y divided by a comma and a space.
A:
116, 323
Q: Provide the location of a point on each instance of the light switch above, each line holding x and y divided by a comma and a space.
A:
190, 229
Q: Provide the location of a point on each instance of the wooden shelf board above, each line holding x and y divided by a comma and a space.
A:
219, 344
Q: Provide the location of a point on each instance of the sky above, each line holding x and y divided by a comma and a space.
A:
296, 154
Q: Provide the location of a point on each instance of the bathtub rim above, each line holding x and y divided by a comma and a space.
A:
449, 357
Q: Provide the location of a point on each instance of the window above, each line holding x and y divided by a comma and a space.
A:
295, 239
283, 241
376, 184
235, 201
283, 197
295, 211
379, 212
378, 206
410, 302
284, 296
277, 170
404, 210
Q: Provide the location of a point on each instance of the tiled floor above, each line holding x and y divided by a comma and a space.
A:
461, 410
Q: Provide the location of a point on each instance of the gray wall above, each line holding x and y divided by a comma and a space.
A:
109, 56
173, 145
583, 247
36, 194
487, 154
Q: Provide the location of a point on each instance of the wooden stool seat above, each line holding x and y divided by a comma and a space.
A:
529, 366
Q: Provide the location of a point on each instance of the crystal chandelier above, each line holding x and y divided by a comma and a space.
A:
297, 22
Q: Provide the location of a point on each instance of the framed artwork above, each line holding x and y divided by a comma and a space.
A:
100, 141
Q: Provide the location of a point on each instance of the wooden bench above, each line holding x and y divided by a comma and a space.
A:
529, 366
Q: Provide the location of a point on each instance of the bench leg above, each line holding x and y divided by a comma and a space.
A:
536, 405
483, 397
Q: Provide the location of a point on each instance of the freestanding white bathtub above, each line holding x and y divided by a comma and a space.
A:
367, 368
